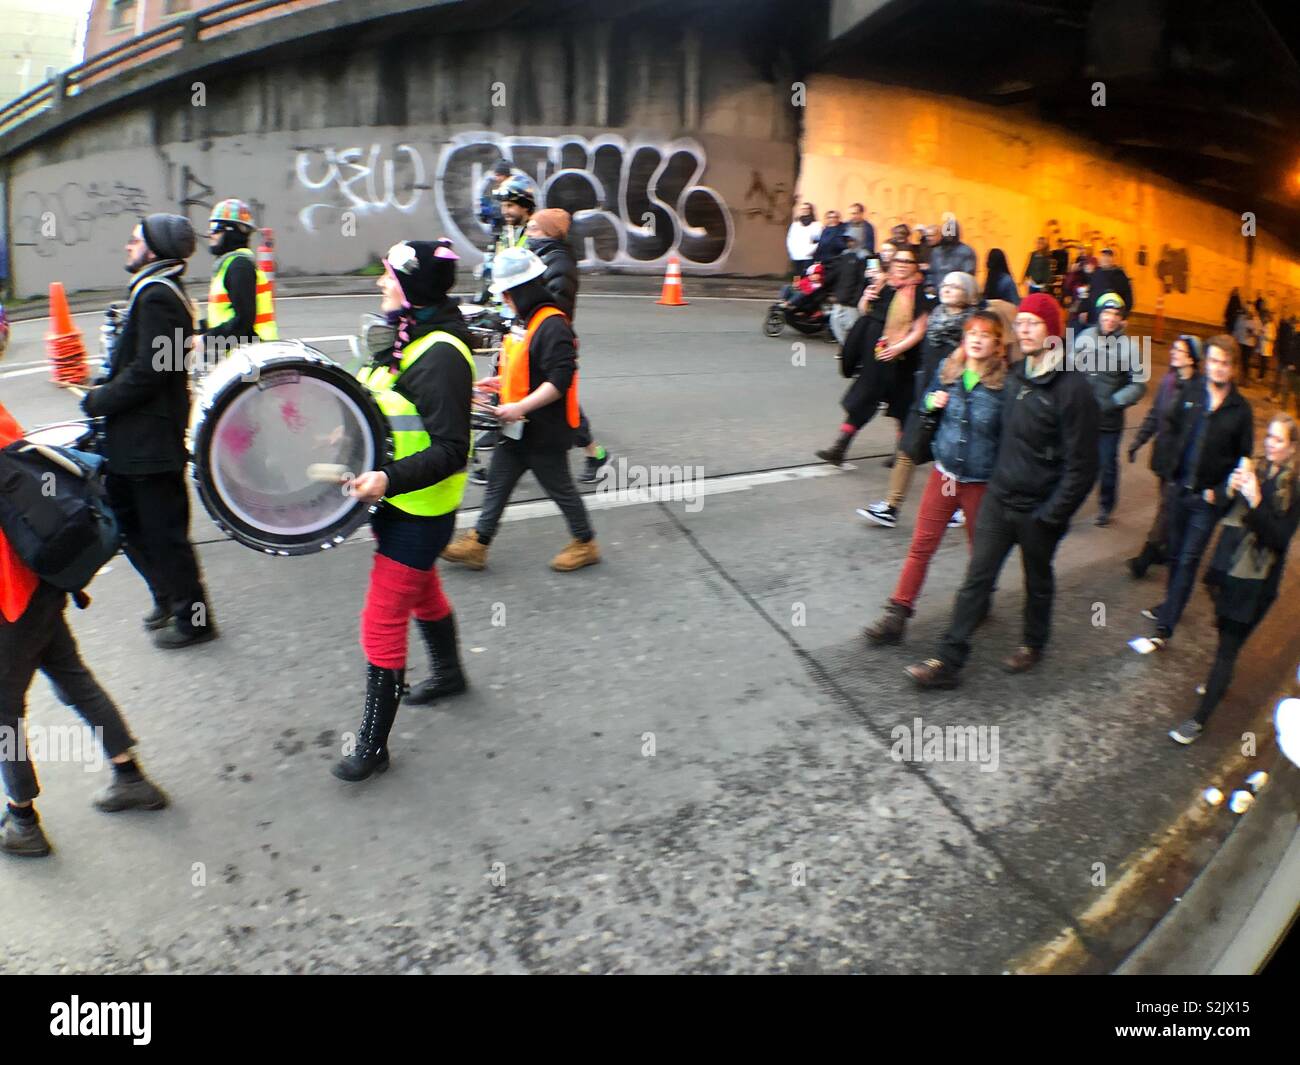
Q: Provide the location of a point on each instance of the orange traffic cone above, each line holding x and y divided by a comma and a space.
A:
266, 257
63, 343
672, 294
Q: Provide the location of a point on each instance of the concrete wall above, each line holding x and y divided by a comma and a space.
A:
910, 156
661, 138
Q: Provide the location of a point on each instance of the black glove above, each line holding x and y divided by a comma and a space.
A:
1132, 454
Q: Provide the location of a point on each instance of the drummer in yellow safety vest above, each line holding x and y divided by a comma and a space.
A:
240, 306
424, 386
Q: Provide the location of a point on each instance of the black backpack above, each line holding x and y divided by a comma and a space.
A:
54, 512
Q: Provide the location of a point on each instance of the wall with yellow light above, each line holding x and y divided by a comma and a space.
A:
910, 156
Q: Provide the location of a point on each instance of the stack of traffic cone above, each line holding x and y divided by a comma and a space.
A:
672, 294
266, 257
63, 343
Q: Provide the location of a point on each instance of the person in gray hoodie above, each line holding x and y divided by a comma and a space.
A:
950, 255
1110, 359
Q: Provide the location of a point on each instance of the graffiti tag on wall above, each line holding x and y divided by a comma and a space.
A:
359, 180
71, 215
633, 203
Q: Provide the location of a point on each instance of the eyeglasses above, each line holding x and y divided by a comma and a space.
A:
905, 262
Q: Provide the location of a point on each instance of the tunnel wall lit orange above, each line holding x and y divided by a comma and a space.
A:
910, 156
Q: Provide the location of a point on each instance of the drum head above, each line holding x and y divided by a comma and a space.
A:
262, 436
75, 435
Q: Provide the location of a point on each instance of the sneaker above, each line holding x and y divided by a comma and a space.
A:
478, 475
172, 638
137, 793
888, 517
1152, 613
1200, 689
1187, 732
957, 520
156, 619
576, 554
592, 467
878, 507
23, 838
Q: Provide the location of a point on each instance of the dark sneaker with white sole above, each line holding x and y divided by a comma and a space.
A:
478, 475
1152, 613
23, 837
1187, 732
886, 516
957, 520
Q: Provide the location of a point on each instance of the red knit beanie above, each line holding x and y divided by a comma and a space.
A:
1041, 305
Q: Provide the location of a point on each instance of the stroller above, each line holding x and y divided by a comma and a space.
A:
803, 306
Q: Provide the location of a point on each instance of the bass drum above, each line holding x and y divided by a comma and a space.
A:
269, 419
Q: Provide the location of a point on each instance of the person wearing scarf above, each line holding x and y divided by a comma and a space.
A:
1260, 518
958, 295
883, 347
144, 401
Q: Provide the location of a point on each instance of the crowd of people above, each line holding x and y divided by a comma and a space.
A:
976, 377
980, 386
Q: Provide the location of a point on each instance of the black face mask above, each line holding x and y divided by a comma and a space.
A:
806, 219
231, 239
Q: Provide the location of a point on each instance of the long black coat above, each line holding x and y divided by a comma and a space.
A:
145, 402
877, 382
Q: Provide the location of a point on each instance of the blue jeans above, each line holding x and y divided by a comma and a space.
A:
1191, 524
1109, 452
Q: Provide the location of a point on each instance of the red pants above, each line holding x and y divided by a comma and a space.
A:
395, 593
944, 496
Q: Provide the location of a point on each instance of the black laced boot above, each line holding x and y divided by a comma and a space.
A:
383, 693
836, 452
444, 662
1139, 564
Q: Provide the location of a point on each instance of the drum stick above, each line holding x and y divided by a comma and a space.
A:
331, 472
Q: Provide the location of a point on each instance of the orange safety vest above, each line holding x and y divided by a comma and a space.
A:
17, 582
514, 367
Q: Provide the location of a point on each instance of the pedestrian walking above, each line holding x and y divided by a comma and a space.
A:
966, 393
1261, 512
424, 387
1184, 364
1045, 468
34, 635
1211, 429
145, 406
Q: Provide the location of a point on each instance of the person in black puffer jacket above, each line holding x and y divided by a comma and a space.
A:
145, 404
1261, 512
548, 232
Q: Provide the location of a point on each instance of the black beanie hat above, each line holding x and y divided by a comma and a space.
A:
427, 276
169, 236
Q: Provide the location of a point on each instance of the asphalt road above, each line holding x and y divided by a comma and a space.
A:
680, 760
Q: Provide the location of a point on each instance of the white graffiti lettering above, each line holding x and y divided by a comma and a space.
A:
633, 203
373, 185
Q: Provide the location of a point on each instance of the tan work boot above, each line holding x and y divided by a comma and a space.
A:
575, 555
468, 550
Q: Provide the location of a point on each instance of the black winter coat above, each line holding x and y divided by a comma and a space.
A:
1108, 279
561, 277
440, 383
1229, 434
1048, 455
145, 403
1153, 423
1239, 599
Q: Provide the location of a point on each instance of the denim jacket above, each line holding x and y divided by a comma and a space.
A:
970, 426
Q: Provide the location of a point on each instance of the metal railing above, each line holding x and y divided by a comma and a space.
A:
154, 44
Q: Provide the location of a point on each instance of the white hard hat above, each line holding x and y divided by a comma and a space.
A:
514, 266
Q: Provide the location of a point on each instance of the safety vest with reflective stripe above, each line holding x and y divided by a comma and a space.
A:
220, 310
514, 366
519, 241
407, 427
